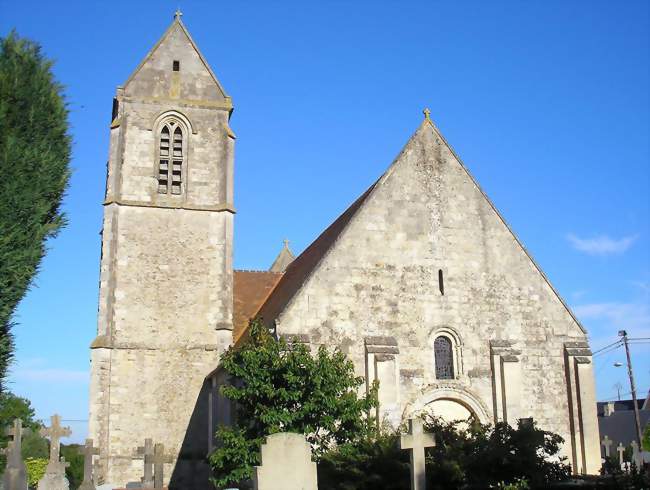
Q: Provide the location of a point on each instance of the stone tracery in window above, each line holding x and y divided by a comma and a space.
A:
171, 159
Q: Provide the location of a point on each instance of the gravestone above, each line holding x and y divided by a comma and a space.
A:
417, 441
88, 451
146, 452
159, 460
15, 476
607, 443
286, 464
54, 478
621, 450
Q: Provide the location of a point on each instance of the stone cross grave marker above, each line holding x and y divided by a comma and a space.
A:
55, 432
607, 443
88, 451
159, 460
54, 478
417, 440
15, 476
146, 452
621, 450
286, 464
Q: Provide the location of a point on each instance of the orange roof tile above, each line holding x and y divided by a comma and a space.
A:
250, 290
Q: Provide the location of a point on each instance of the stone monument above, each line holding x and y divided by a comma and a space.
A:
15, 476
159, 460
417, 441
54, 478
146, 452
88, 451
286, 464
621, 451
607, 444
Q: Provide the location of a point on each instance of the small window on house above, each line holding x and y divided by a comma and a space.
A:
441, 282
444, 358
176, 66
170, 159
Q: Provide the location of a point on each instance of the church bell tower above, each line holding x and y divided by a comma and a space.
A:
165, 301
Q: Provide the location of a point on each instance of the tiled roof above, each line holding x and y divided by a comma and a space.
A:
250, 289
301, 268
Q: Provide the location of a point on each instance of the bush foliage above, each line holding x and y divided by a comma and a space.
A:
34, 156
282, 387
468, 456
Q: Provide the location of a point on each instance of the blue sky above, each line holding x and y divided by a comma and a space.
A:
546, 103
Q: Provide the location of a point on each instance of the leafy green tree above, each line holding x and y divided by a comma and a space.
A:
75, 472
466, 456
646, 438
14, 407
280, 387
34, 155
373, 462
477, 456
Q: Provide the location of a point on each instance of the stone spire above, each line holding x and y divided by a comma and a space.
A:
284, 258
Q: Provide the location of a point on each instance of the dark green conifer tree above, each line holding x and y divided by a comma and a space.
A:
35, 152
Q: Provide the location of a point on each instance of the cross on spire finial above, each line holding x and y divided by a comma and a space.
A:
286, 243
427, 114
178, 14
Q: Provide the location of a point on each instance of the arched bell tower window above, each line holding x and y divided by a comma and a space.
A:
171, 159
444, 357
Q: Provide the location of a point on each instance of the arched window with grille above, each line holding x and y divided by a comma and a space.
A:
444, 357
171, 159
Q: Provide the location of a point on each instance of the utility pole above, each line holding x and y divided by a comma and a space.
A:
623, 333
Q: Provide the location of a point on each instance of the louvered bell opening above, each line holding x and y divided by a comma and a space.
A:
178, 143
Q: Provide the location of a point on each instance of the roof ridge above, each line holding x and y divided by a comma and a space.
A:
257, 271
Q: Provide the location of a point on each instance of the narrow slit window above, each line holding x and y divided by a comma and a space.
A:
441, 282
170, 160
176, 65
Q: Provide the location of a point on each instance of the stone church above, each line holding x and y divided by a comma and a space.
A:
420, 282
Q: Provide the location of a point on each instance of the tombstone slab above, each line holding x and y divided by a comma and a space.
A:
15, 475
286, 464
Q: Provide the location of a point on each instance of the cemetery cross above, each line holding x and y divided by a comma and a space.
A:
159, 460
146, 452
88, 451
417, 440
607, 443
55, 432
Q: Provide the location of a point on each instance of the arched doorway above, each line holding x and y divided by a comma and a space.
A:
451, 404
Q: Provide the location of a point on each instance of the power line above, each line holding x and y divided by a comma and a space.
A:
607, 346
606, 350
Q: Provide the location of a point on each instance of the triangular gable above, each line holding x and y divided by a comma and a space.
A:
178, 24
308, 262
